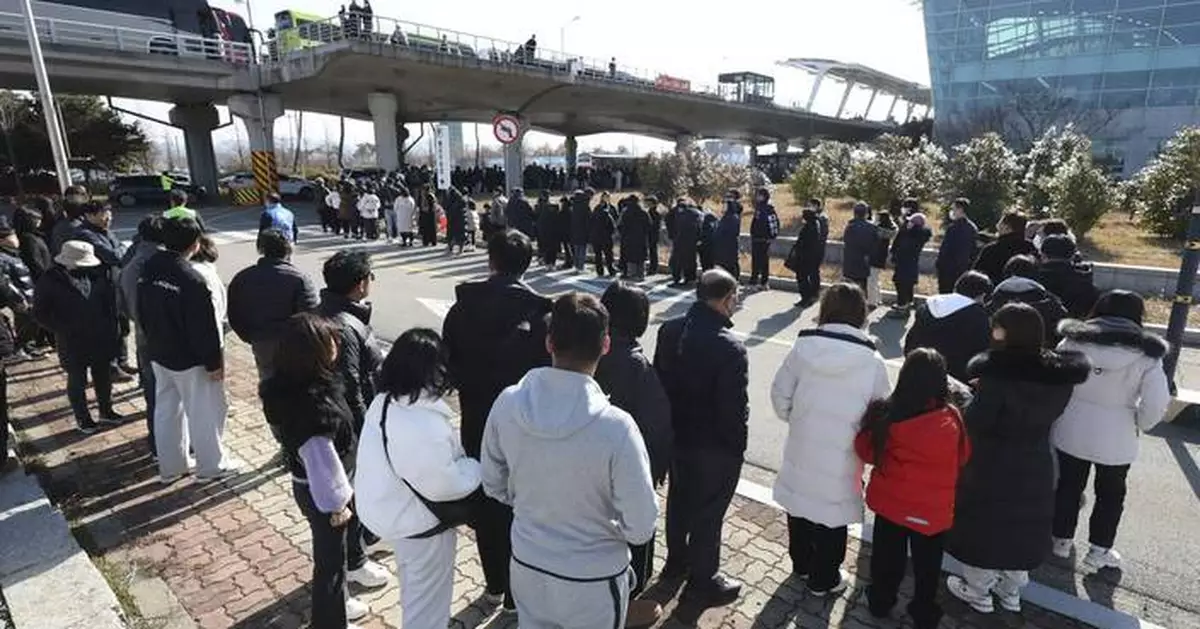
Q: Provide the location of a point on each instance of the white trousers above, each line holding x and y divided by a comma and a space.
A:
874, 295
189, 409
1006, 583
426, 571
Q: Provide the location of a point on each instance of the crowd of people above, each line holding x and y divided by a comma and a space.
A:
1017, 381
490, 180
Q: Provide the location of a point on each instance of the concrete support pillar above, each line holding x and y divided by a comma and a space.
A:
197, 122
845, 98
874, 93
572, 147
383, 108
892, 108
753, 154
514, 164
782, 146
812, 96
684, 142
258, 113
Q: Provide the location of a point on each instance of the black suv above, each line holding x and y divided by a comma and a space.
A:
132, 190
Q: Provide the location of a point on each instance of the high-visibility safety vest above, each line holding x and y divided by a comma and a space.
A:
166, 181
180, 211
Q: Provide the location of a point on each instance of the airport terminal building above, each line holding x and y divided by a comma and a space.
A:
1127, 72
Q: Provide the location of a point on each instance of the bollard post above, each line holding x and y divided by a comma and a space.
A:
1183, 291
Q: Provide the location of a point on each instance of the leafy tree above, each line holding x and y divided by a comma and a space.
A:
985, 171
893, 168
693, 173
1080, 192
1049, 153
1167, 183
93, 131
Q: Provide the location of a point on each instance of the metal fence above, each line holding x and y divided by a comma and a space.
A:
382, 30
72, 33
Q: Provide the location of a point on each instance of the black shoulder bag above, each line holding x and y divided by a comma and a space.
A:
451, 513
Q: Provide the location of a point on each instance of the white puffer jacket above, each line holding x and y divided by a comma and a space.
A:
425, 451
1126, 393
822, 390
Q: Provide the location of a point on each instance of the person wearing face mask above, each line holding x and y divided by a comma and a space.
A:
704, 369
958, 247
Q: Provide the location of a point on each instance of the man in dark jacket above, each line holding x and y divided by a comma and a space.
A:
581, 227
146, 244
1021, 285
704, 369
687, 224
764, 229
1010, 242
263, 296
859, 242
495, 332
656, 225
957, 325
562, 229
456, 220
66, 229
547, 230
634, 227
704, 245
727, 236
958, 247
1070, 280
94, 228
183, 340
20, 280
603, 225
348, 279
632, 385
518, 214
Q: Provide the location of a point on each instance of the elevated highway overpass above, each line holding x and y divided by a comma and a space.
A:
392, 77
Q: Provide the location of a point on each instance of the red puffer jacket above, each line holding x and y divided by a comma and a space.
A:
914, 483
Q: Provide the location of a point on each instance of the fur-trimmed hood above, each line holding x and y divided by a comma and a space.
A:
1114, 332
1048, 367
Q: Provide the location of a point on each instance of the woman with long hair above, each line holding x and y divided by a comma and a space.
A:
1004, 503
305, 402
409, 456
916, 442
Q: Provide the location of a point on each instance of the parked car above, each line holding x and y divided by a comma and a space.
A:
134, 190
289, 187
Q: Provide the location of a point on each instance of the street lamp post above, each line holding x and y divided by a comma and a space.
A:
562, 33
1183, 291
49, 108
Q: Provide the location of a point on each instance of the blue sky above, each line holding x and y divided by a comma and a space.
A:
687, 40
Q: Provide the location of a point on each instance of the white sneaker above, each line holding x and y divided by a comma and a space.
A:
1101, 558
356, 609
230, 467
835, 590
958, 587
371, 575
1009, 603
1063, 547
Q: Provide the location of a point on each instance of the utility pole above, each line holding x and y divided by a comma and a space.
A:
49, 107
1183, 291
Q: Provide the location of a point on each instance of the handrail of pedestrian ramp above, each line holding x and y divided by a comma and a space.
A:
108, 37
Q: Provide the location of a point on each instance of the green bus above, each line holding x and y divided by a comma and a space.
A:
296, 30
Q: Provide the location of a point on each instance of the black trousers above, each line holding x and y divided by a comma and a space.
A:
683, 268
603, 257
4, 418
760, 262
904, 293
652, 267
641, 561
889, 559
817, 551
947, 278
334, 550
1110, 499
493, 537
148, 384
702, 486
77, 379
808, 283
349, 227
370, 228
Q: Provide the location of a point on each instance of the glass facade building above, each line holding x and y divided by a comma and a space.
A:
1127, 72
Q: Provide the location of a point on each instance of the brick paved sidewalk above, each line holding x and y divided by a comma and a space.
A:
236, 553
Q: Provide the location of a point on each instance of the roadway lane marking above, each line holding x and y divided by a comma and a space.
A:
1057, 601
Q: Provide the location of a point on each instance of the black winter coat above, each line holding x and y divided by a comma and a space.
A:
958, 247
632, 385
263, 296
859, 241
883, 245
17, 272
656, 221
548, 224
958, 336
581, 218
726, 239
175, 311
519, 215
687, 234
705, 372
495, 333
603, 225
35, 253
456, 217
298, 412
80, 308
634, 228
1072, 282
997, 254
359, 356
808, 252
906, 253
1025, 291
1004, 503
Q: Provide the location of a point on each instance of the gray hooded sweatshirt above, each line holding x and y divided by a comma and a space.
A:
575, 470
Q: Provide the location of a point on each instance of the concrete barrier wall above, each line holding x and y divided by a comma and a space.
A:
1146, 280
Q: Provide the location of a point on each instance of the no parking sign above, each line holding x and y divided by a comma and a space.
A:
506, 128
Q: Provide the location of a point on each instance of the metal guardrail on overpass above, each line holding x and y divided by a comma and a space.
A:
118, 38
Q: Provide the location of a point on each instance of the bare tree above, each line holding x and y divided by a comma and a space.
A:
1021, 117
